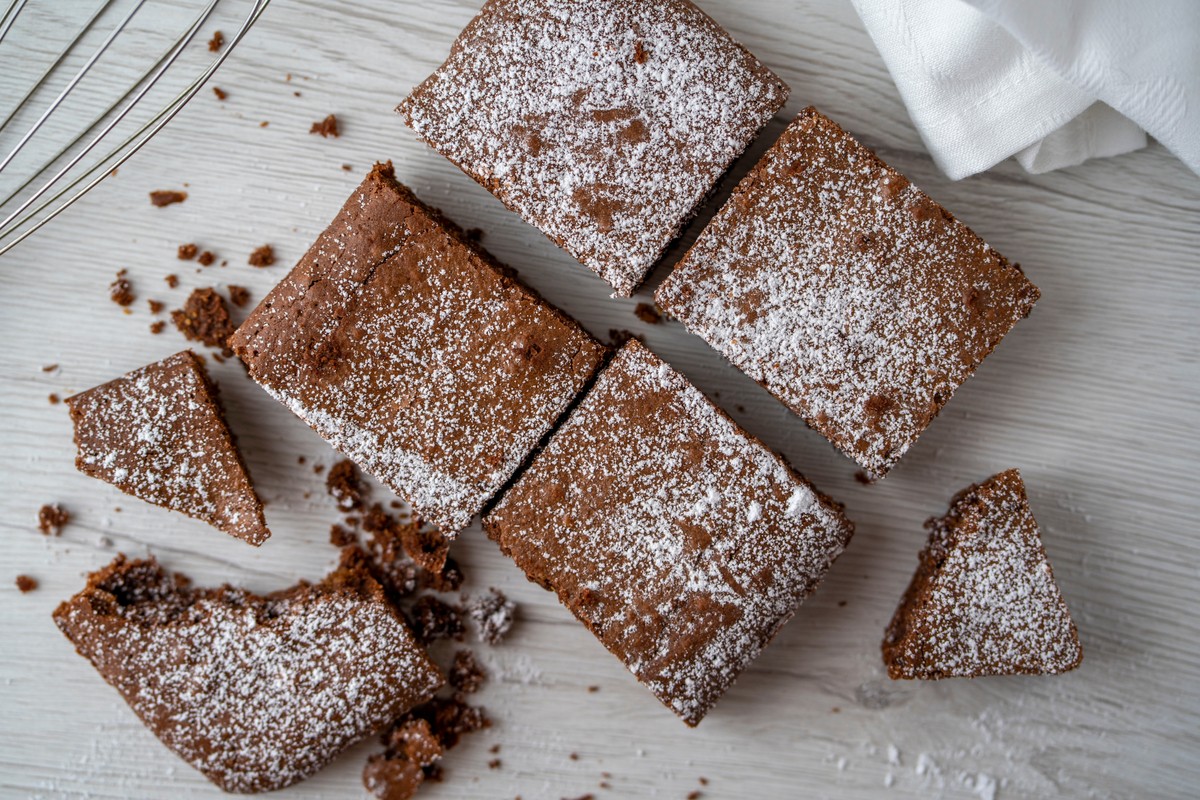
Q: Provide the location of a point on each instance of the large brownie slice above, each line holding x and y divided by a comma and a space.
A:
983, 600
158, 433
679, 540
256, 692
846, 291
602, 123
411, 351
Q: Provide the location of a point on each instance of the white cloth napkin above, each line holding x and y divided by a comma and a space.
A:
1052, 82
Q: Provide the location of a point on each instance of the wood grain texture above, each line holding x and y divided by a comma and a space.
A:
1093, 398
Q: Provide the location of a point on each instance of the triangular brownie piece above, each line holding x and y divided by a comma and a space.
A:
257, 692
983, 600
158, 433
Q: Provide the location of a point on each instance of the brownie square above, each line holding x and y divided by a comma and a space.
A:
415, 354
158, 433
845, 291
679, 540
603, 124
983, 600
256, 692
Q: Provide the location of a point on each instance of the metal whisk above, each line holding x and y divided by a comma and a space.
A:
23, 209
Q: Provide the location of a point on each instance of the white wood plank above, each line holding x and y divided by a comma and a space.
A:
1093, 398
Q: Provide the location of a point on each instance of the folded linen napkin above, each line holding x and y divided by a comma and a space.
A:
1052, 82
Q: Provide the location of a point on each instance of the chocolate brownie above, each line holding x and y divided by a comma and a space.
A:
983, 600
256, 692
158, 433
847, 292
678, 539
416, 355
603, 124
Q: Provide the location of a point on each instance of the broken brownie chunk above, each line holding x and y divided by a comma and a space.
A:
603, 124
846, 291
256, 692
158, 433
983, 600
204, 318
678, 539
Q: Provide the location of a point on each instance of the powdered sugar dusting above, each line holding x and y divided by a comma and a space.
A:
602, 123
665, 528
846, 291
255, 692
157, 433
984, 600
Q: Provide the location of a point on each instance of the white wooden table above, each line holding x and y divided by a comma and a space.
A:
1094, 398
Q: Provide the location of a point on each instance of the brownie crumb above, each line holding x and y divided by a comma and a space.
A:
326, 127
841, 603
26, 584
187, 252
345, 485
121, 290
862, 477
216, 42
695, 794
263, 124
318, 468
495, 763
162, 198
239, 295
593, 689
204, 318
206, 258
172, 280
347, 167
52, 518
434, 619
574, 756
220, 93
427, 547
493, 615
703, 781
466, 674
53, 398
415, 743
494, 748
648, 313
263, 256
156, 306
50, 368
340, 536
448, 579
157, 327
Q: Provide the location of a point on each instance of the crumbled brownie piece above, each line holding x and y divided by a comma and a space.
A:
257, 692
495, 763
53, 398
121, 290
346, 486
26, 583
162, 198
158, 327
204, 318
451, 719
206, 258
862, 477
467, 674
49, 367
220, 93
411, 749
172, 280
426, 546
238, 295
262, 256
983, 600
340, 536
434, 619
158, 433
448, 579
187, 252
493, 615
593, 689
52, 518
156, 306
647, 313
216, 42
347, 167
326, 127
695, 794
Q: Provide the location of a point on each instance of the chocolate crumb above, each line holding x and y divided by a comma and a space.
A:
158, 327
648, 313
121, 290
263, 124
574, 756
51, 519
340, 537
50, 368
172, 280
204, 318
466, 674
53, 399
156, 306
318, 468
347, 167
162, 198
695, 794
593, 689
494, 748
841, 603
495, 763
434, 619
187, 252
26, 584
238, 295
863, 478
216, 42
345, 485
263, 256
703, 781
206, 258
326, 127
428, 548
220, 93
493, 615
448, 579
